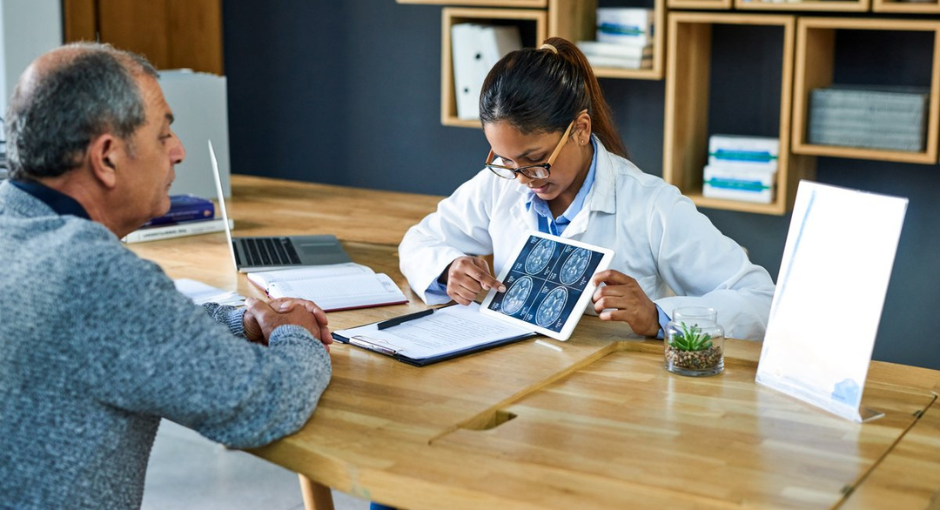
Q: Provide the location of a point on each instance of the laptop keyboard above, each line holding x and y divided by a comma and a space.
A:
270, 251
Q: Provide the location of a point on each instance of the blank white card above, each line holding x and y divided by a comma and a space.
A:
830, 292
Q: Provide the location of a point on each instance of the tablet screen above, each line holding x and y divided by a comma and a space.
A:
547, 281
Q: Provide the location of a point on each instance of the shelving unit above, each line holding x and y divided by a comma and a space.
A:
805, 6
815, 58
685, 143
533, 28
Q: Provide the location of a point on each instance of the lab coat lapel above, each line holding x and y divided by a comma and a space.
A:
521, 215
602, 197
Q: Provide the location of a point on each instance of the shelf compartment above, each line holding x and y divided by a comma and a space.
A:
815, 64
688, 94
533, 27
576, 20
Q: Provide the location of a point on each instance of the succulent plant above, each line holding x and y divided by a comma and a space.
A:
691, 338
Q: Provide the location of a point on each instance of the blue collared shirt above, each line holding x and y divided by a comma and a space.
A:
555, 226
59, 202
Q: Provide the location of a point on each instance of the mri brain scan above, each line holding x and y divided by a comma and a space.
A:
550, 309
574, 267
516, 295
540, 256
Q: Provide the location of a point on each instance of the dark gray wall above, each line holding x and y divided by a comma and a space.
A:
348, 92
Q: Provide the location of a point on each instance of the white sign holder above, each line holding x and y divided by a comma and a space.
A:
830, 292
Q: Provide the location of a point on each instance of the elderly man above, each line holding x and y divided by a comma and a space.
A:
96, 345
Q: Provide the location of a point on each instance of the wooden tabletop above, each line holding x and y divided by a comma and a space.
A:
595, 422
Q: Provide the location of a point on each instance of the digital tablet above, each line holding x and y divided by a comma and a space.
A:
548, 284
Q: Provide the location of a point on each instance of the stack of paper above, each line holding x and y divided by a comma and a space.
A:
626, 56
893, 118
333, 287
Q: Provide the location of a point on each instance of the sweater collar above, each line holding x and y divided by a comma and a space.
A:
59, 202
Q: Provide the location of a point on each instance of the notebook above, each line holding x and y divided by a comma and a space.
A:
278, 252
334, 287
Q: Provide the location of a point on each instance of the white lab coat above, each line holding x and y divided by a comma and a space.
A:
658, 237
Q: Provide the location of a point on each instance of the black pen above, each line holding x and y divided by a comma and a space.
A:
404, 318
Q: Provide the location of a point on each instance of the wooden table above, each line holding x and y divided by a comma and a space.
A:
595, 423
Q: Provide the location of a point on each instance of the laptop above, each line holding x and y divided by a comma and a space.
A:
267, 253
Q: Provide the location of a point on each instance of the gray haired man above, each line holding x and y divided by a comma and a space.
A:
96, 345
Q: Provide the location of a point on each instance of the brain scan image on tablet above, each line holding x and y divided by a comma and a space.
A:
546, 282
540, 256
551, 307
516, 295
574, 266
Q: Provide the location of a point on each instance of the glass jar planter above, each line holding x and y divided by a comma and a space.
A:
694, 342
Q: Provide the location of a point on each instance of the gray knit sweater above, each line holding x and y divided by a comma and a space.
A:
96, 345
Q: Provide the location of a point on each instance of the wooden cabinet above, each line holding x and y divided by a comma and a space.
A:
172, 34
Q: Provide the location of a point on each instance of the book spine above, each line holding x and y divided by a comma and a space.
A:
624, 63
177, 230
599, 49
185, 212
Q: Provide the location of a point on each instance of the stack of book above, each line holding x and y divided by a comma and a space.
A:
741, 168
624, 39
188, 215
893, 118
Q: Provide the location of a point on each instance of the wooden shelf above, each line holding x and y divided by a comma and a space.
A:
724, 5
452, 16
906, 7
685, 147
806, 6
576, 20
815, 57
539, 4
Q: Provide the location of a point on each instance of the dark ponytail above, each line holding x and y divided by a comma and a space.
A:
539, 91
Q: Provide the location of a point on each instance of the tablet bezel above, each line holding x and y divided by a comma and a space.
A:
572, 320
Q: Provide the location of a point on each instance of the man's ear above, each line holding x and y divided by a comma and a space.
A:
103, 157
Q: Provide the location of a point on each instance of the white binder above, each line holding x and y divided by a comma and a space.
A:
476, 49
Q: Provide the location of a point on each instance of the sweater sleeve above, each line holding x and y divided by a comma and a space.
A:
232, 317
147, 349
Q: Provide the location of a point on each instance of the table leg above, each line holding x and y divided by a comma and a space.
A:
316, 496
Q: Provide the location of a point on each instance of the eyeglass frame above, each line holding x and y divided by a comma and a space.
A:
547, 165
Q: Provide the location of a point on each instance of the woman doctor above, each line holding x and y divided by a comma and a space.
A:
557, 165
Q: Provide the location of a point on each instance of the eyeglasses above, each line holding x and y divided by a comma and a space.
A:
540, 171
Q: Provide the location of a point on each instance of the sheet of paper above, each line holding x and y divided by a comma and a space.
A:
265, 278
201, 293
830, 292
447, 330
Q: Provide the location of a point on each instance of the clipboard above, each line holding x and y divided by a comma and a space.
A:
426, 338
